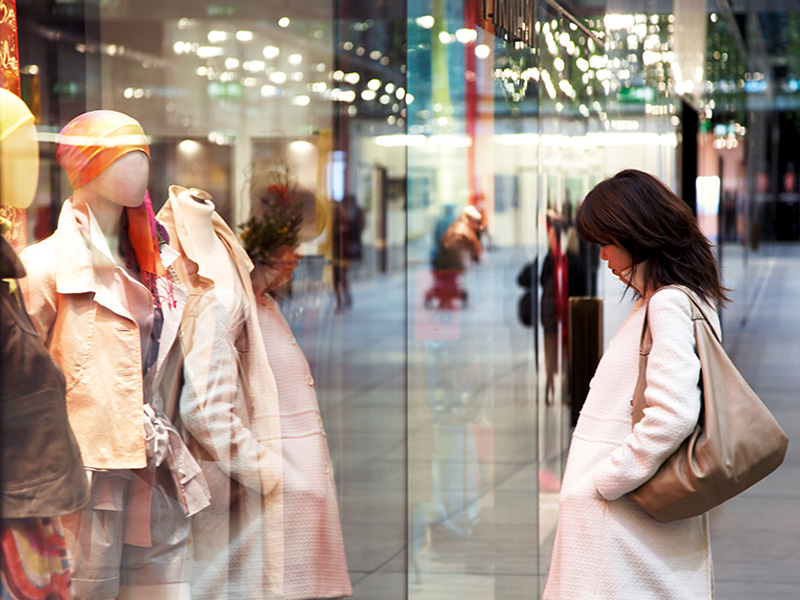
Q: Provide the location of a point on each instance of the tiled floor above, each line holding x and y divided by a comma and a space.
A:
448, 467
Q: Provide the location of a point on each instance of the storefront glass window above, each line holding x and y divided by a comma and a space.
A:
386, 403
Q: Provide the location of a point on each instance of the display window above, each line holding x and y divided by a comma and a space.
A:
293, 301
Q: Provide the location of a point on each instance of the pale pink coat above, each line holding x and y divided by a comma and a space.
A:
315, 565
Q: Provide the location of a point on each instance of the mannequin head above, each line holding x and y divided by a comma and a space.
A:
123, 182
106, 158
19, 152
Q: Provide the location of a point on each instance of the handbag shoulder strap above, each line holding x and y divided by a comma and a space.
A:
646, 344
698, 314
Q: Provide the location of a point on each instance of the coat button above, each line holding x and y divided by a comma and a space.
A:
310, 380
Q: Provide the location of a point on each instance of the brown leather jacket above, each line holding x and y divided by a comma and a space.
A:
41, 468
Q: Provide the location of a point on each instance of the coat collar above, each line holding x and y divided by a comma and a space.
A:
74, 269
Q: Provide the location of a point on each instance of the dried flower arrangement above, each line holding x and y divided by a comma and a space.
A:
277, 214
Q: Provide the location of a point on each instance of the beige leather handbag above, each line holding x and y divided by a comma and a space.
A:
737, 441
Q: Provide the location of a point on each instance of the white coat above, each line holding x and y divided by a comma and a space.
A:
606, 547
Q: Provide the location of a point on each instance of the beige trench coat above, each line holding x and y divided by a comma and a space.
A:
226, 407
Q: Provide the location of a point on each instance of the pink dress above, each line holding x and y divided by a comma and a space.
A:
315, 565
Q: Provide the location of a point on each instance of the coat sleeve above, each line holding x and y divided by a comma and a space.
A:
39, 287
672, 395
213, 400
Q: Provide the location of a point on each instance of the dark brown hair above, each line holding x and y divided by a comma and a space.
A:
642, 215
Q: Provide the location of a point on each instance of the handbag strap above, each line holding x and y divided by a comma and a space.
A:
698, 314
646, 343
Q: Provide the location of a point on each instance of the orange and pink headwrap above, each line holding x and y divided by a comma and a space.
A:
92, 141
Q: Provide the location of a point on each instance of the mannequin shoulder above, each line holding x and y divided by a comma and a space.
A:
40, 259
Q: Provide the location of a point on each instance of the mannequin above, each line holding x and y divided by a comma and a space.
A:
226, 407
100, 297
40, 461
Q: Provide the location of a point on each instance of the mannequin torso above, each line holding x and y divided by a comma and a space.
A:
213, 258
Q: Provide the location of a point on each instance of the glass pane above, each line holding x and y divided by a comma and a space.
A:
473, 474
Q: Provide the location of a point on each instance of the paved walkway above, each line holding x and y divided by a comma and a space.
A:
376, 385
756, 536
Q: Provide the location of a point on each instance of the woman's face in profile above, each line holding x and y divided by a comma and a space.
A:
617, 257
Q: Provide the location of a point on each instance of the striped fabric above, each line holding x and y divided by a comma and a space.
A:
92, 141
34, 560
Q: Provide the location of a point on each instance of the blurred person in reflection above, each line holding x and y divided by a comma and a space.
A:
605, 545
40, 462
101, 299
459, 245
315, 564
551, 279
348, 225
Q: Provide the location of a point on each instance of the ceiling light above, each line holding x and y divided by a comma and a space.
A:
277, 77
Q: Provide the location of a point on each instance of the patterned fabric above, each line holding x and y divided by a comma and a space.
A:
34, 560
145, 235
92, 141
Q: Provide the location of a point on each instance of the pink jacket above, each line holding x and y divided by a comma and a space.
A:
97, 345
98, 348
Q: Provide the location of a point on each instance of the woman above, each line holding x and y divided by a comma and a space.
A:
314, 561
606, 546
